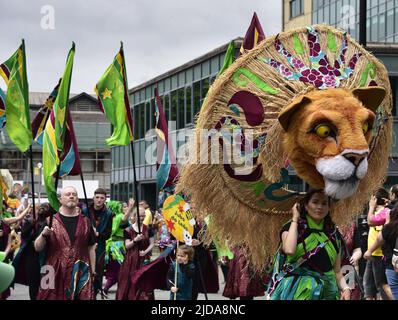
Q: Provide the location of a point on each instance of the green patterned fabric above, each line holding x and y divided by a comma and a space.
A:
115, 244
313, 240
303, 283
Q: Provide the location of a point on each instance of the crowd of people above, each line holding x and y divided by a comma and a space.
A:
80, 253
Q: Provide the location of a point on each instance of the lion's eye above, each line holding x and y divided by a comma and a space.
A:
365, 128
323, 131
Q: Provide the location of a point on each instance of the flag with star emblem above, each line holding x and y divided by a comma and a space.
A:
2, 109
112, 94
166, 166
54, 133
254, 35
13, 72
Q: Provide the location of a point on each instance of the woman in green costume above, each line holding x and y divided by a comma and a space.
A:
115, 249
307, 264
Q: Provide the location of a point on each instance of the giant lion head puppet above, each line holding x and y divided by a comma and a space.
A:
310, 100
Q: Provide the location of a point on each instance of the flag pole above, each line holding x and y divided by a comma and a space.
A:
175, 274
33, 181
135, 188
85, 194
127, 105
56, 187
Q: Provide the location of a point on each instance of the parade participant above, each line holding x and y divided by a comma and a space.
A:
101, 218
115, 249
27, 262
182, 289
19, 217
352, 253
206, 275
148, 213
139, 244
311, 247
387, 240
5, 246
70, 253
242, 281
374, 279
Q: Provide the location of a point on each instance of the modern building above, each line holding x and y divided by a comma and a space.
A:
91, 130
182, 91
381, 39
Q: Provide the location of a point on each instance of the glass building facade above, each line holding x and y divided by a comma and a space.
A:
381, 24
182, 92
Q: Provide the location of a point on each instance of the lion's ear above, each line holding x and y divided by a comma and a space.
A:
286, 114
371, 97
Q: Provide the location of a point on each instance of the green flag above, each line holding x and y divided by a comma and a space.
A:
229, 57
112, 94
54, 134
17, 99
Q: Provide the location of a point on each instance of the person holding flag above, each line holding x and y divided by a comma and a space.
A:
138, 243
101, 217
70, 252
182, 290
69, 240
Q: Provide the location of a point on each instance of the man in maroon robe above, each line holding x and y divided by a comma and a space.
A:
70, 253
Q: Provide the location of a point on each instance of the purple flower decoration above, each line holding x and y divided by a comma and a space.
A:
321, 73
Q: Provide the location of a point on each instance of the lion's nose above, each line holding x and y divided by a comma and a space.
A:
355, 158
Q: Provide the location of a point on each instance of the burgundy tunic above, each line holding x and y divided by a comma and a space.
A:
3, 245
348, 234
241, 281
127, 290
73, 279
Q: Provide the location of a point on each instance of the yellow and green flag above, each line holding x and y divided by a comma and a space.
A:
13, 72
54, 133
112, 94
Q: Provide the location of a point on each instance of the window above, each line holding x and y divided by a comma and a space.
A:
390, 22
147, 116
174, 82
181, 109
188, 101
141, 120
196, 97
373, 32
333, 13
181, 79
214, 66
152, 114
296, 8
205, 88
135, 115
166, 105
382, 27
173, 114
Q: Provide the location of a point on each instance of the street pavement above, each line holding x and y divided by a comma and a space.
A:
21, 292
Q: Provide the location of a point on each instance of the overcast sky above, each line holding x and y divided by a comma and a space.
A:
158, 35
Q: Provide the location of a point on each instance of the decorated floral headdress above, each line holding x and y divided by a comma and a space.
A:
249, 203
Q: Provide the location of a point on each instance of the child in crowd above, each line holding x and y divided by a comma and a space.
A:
182, 288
